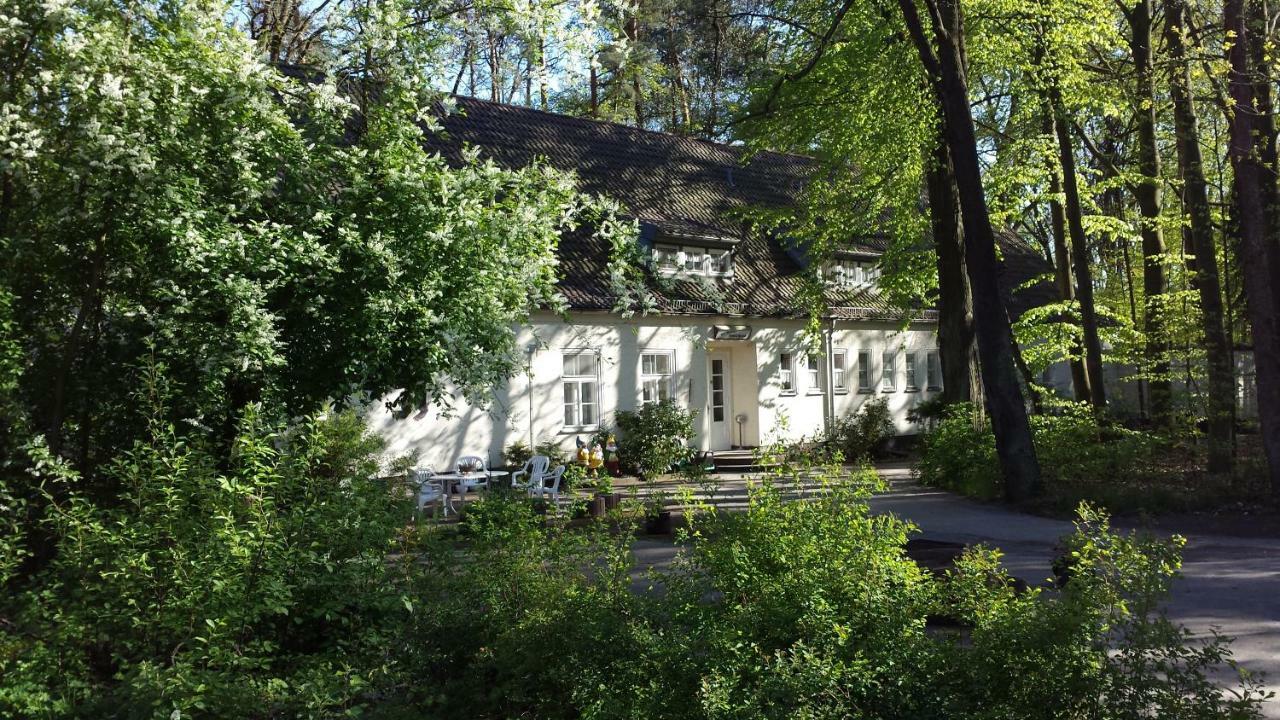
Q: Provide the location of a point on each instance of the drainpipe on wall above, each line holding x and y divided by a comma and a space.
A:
828, 391
532, 349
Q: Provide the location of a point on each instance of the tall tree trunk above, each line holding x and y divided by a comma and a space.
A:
595, 93
1197, 239
1062, 269
1264, 129
1079, 255
1015, 445
957, 351
1148, 194
1255, 253
631, 31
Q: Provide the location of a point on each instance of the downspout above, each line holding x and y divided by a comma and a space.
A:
828, 385
532, 350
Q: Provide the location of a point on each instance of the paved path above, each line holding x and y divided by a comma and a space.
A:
1232, 584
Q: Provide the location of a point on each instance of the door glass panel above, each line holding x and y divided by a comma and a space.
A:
717, 390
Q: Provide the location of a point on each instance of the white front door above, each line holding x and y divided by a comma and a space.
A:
719, 401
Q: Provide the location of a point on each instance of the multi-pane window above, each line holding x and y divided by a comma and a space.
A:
853, 273
655, 376
580, 379
839, 370
889, 371
786, 372
664, 256
910, 361
691, 260
933, 370
814, 371
864, 370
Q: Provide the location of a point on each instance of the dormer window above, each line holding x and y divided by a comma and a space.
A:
693, 260
847, 273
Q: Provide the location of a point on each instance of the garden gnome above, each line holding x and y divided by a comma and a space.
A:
611, 457
583, 455
597, 458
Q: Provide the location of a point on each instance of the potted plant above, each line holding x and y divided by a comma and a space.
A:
604, 491
657, 517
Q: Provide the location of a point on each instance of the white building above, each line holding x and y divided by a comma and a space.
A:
728, 339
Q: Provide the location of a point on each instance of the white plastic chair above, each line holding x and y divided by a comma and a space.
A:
475, 482
550, 485
430, 489
532, 472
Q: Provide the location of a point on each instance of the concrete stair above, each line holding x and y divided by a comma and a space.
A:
742, 460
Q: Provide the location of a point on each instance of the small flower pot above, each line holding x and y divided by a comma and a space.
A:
659, 524
612, 501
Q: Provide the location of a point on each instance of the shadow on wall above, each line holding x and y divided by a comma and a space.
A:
439, 435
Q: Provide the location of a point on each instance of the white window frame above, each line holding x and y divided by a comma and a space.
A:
840, 370
864, 371
666, 379
578, 381
813, 373
853, 274
787, 372
912, 372
664, 258
933, 377
693, 260
889, 371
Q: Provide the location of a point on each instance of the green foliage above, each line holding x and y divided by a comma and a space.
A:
959, 454
575, 475
1076, 450
552, 450
524, 619
268, 238
214, 591
858, 435
517, 453
817, 613
276, 584
654, 438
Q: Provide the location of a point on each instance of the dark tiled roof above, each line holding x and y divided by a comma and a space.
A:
1026, 275
677, 185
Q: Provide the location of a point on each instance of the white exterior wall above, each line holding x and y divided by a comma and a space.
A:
530, 407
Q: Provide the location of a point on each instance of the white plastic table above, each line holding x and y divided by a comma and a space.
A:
465, 481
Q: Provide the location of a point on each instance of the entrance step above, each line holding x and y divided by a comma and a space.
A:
741, 460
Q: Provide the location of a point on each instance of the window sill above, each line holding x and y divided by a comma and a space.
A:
886, 391
813, 393
841, 391
578, 429
934, 388
865, 391
911, 389
787, 393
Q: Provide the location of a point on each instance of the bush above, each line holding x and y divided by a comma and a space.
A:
959, 454
516, 454
200, 590
553, 451
860, 434
812, 609
284, 587
655, 438
1077, 452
